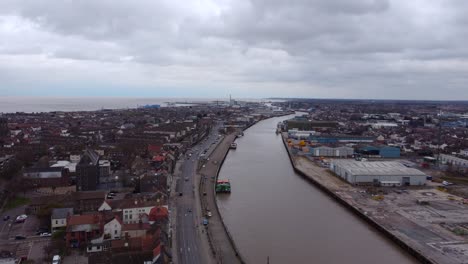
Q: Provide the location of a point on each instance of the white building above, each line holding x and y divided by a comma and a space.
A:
113, 229
132, 210
58, 219
384, 173
454, 161
332, 152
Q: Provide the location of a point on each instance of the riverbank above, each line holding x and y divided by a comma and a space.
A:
420, 241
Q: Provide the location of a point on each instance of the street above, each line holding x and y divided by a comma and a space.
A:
189, 223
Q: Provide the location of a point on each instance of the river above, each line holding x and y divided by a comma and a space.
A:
272, 212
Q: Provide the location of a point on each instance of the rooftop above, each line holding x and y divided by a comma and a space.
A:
60, 213
376, 168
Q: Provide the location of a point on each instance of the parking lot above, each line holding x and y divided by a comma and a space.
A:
32, 245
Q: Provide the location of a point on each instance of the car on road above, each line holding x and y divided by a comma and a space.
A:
45, 234
6, 218
189, 210
208, 214
186, 178
180, 194
21, 218
20, 237
205, 221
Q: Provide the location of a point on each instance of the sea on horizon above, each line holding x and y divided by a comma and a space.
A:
12, 104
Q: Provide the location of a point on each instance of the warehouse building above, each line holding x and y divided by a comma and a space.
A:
382, 151
331, 152
383, 173
326, 139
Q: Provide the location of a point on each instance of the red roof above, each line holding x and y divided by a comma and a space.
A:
159, 158
84, 219
154, 148
157, 251
137, 226
158, 213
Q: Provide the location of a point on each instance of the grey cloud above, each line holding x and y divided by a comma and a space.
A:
330, 48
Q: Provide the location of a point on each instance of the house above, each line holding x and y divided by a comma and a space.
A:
81, 229
58, 219
135, 230
113, 228
133, 210
88, 201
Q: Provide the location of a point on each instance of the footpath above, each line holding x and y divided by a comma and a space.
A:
221, 244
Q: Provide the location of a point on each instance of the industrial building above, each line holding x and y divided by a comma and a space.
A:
331, 152
340, 139
383, 151
382, 173
302, 123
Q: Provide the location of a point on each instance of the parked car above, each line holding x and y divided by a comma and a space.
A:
6, 218
41, 230
56, 259
205, 221
20, 237
45, 234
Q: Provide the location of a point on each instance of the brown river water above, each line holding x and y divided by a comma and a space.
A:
272, 212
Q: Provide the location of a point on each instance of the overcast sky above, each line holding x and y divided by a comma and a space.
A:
402, 49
